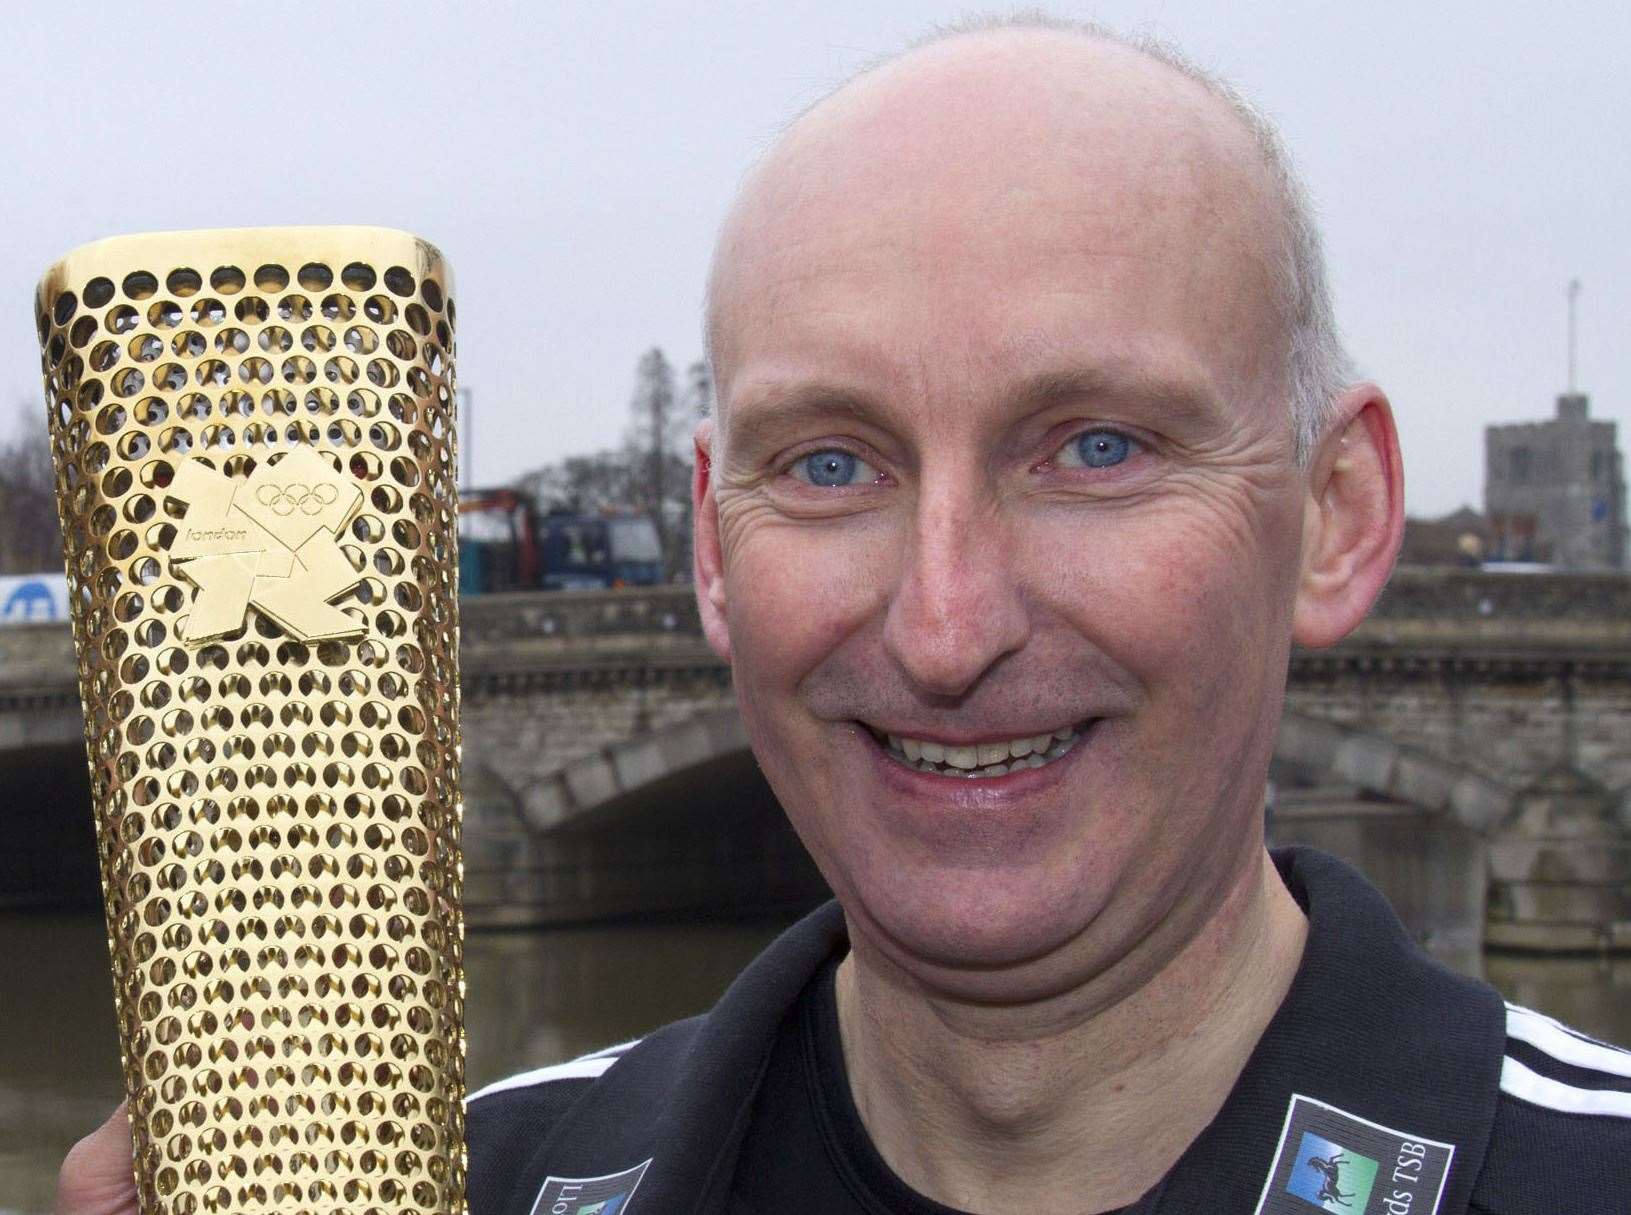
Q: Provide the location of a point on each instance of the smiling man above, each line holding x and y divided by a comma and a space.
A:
1035, 454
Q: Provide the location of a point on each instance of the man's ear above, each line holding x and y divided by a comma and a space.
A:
1353, 520
707, 562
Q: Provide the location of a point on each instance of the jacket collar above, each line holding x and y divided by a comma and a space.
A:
1371, 1027
681, 1098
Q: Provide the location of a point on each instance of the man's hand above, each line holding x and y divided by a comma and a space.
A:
97, 1177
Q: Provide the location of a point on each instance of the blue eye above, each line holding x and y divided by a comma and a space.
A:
831, 469
1096, 449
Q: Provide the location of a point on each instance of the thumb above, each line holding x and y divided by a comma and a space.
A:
98, 1177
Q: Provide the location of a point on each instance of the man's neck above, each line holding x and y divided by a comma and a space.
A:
975, 1109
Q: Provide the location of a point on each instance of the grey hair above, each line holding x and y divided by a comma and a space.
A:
1318, 368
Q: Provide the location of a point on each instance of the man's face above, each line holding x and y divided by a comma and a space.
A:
1004, 470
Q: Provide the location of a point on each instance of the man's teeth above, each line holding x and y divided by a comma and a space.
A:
983, 759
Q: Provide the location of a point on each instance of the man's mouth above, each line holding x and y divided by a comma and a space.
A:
984, 760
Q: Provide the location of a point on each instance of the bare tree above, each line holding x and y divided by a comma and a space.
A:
659, 431
698, 403
30, 537
699, 389
591, 484
651, 473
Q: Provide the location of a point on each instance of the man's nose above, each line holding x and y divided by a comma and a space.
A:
958, 607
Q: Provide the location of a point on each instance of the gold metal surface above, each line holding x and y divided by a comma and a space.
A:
252, 433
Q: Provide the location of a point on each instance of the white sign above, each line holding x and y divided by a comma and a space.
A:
25, 598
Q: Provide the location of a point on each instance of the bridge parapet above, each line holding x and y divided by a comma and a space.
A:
1595, 604
526, 616
1502, 615
1433, 593
1419, 607
39, 688
1458, 661
38, 653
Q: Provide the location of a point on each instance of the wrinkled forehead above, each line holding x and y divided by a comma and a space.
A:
1047, 158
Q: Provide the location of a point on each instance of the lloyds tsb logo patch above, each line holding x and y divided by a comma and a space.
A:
1331, 1160
1331, 1176
609, 1194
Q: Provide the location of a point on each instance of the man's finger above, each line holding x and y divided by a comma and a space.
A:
97, 1178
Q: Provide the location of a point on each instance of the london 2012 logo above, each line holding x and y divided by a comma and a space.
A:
268, 542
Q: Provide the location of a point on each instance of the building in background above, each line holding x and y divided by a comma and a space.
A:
1554, 491
1461, 538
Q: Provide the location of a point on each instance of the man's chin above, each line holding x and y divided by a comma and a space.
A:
971, 928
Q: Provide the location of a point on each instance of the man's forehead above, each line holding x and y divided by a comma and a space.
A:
974, 92
989, 137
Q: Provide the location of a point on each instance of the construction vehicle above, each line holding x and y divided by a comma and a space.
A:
504, 545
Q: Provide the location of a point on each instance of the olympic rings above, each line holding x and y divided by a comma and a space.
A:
307, 499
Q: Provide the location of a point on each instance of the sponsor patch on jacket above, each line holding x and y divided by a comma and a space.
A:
608, 1195
1331, 1160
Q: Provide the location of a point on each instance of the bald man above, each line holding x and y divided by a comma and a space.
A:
1035, 453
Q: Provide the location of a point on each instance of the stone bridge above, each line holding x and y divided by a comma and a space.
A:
1469, 745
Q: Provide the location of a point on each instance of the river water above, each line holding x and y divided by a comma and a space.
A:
535, 998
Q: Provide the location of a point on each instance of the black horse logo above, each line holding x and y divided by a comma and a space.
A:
1331, 1171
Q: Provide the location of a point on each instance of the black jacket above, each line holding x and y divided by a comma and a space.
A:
1426, 1091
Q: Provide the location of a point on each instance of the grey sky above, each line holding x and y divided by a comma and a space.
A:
573, 161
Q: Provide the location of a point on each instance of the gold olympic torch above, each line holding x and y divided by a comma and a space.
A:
253, 441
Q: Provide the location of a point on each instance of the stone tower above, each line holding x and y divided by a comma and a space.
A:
1554, 491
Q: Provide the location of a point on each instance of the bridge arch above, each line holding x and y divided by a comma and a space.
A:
678, 821
636, 817
573, 796
586, 789
1385, 768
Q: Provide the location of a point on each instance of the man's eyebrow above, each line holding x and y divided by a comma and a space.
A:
767, 417
1169, 399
